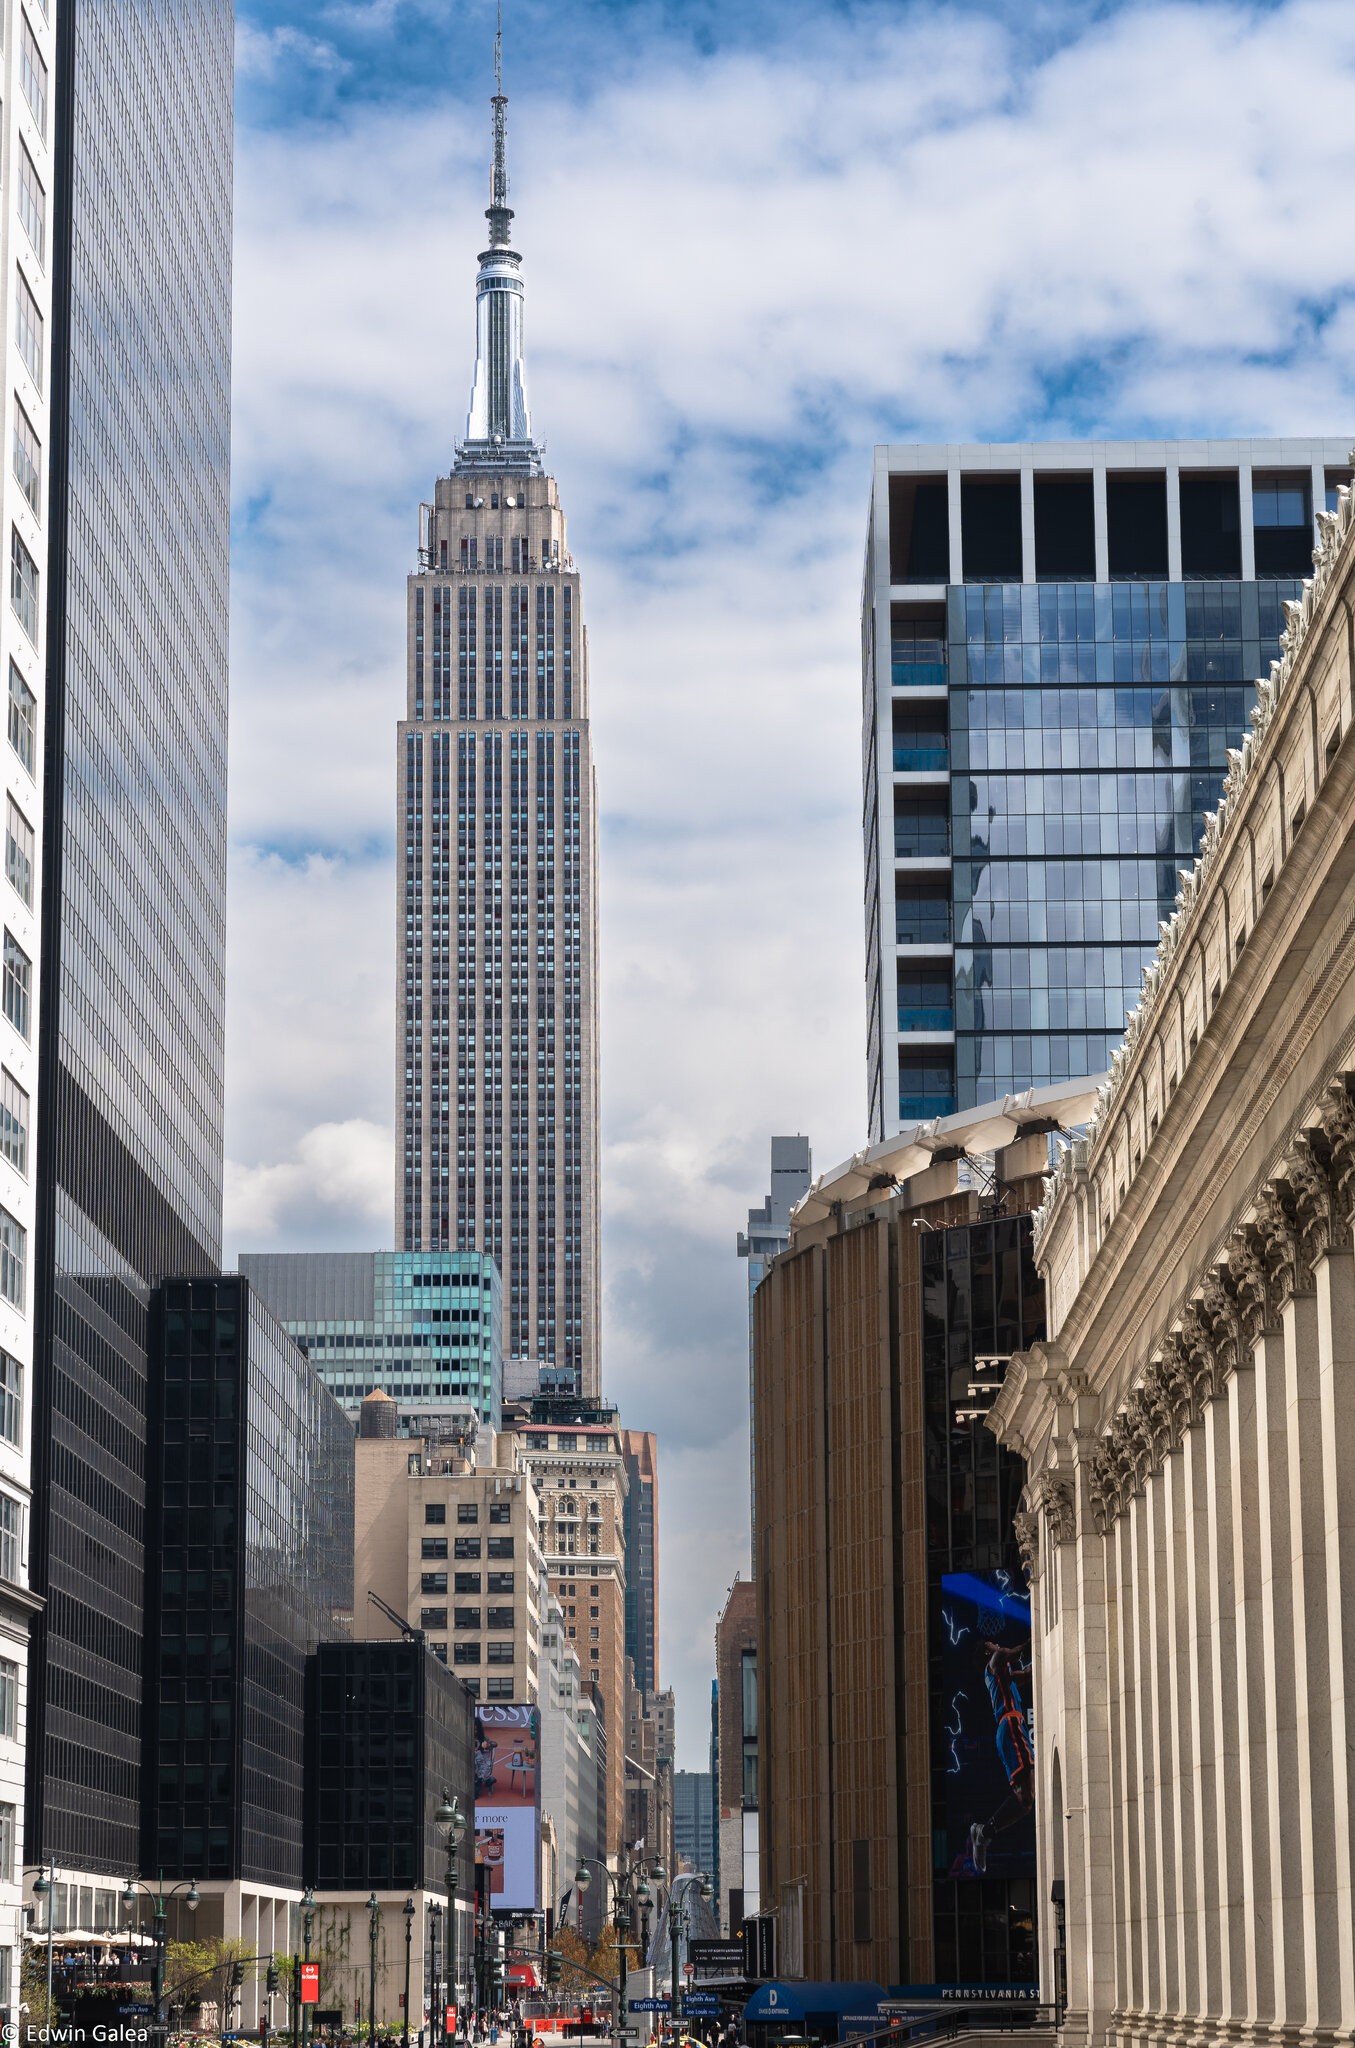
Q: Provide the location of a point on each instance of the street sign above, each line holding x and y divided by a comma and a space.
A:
689, 1969
648, 2004
702, 2002
310, 1983
713, 1957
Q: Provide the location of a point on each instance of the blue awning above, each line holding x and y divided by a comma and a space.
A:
796, 2003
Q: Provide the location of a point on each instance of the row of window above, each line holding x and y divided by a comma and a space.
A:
495, 1688
468, 1546
464, 1582
435, 1511
466, 1617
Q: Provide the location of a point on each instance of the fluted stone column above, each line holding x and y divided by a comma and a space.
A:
1279, 1761
1335, 1283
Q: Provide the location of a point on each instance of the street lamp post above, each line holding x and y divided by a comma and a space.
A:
450, 1817
373, 1926
45, 1887
132, 1887
307, 1928
434, 1923
409, 1942
627, 1888
679, 1910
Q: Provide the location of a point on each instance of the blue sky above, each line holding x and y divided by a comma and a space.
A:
757, 240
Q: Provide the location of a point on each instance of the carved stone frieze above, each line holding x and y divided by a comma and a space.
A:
1027, 1527
1281, 1241
1336, 1121
1060, 1511
1218, 1308
1252, 1288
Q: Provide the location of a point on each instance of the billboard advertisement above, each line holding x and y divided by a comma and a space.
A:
507, 1793
983, 1820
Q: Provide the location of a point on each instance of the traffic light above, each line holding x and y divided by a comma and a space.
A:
552, 1966
271, 1981
237, 1976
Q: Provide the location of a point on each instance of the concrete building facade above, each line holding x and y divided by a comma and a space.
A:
496, 1096
734, 1760
640, 1449
1060, 642
882, 1504
575, 1457
1189, 1520
767, 1235
454, 1546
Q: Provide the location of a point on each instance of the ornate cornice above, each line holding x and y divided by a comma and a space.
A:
1301, 1213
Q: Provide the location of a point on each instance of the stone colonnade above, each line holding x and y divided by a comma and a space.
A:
1193, 1560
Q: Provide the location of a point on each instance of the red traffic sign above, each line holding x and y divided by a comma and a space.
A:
310, 1983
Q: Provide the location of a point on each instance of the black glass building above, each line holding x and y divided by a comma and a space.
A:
389, 1729
134, 870
981, 1301
1061, 641
249, 1559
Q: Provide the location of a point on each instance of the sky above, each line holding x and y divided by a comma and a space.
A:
757, 241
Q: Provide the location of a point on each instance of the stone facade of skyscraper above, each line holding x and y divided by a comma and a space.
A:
496, 974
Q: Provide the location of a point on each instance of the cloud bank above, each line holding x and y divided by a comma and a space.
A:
752, 250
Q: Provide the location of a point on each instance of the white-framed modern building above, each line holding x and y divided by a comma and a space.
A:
1060, 642
27, 66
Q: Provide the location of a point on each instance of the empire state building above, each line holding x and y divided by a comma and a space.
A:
497, 1090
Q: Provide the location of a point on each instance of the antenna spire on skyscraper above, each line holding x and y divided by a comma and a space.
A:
498, 425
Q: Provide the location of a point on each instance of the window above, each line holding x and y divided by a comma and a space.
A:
499, 1653
500, 1617
32, 204
500, 1546
468, 1582
33, 75
18, 986
9, 1698
19, 852
466, 1546
500, 1511
13, 1260
465, 1653
465, 1617
467, 1511
435, 1512
23, 720
23, 585
593, 1613
7, 1844
13, 1122
434, 1546
472, 1684
499, 1582
11, 1399
27, 458
432, 1617
11, 1534
28, 330
501, 1688
433, 1582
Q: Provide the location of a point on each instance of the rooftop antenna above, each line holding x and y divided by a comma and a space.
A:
498, 197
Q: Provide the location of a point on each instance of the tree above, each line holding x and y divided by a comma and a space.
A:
33, 1988
199, 1972
582, 1963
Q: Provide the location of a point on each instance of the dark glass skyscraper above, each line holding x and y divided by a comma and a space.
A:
249, 1557
133, 938
1061, 641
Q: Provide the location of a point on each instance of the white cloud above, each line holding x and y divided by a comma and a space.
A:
741, 272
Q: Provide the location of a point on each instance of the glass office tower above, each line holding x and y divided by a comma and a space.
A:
424, 1327
1060, 643
249, 1559
133, 927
